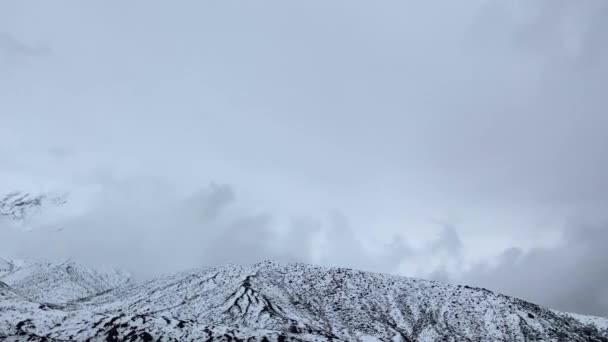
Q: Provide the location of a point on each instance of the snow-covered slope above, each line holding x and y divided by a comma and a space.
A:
58, 282
276, 302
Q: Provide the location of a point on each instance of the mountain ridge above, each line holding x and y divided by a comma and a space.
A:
270, 301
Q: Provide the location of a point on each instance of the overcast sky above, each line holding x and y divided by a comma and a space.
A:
461, 141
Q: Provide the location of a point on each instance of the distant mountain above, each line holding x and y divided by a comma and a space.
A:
266, 302
17, 206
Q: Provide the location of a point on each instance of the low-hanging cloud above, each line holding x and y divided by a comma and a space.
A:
143, 226
557, 151
571, 276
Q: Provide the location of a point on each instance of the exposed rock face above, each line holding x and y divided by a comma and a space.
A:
270, 302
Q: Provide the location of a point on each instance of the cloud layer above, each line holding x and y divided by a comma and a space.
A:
144, 226
571, 276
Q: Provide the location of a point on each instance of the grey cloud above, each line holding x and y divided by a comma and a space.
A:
571, 276
211, 201
145, 227
12, 47
569, 38
302, 237
448, 241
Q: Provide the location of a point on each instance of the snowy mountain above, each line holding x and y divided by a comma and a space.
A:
17, 206
267, 302
48, 282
